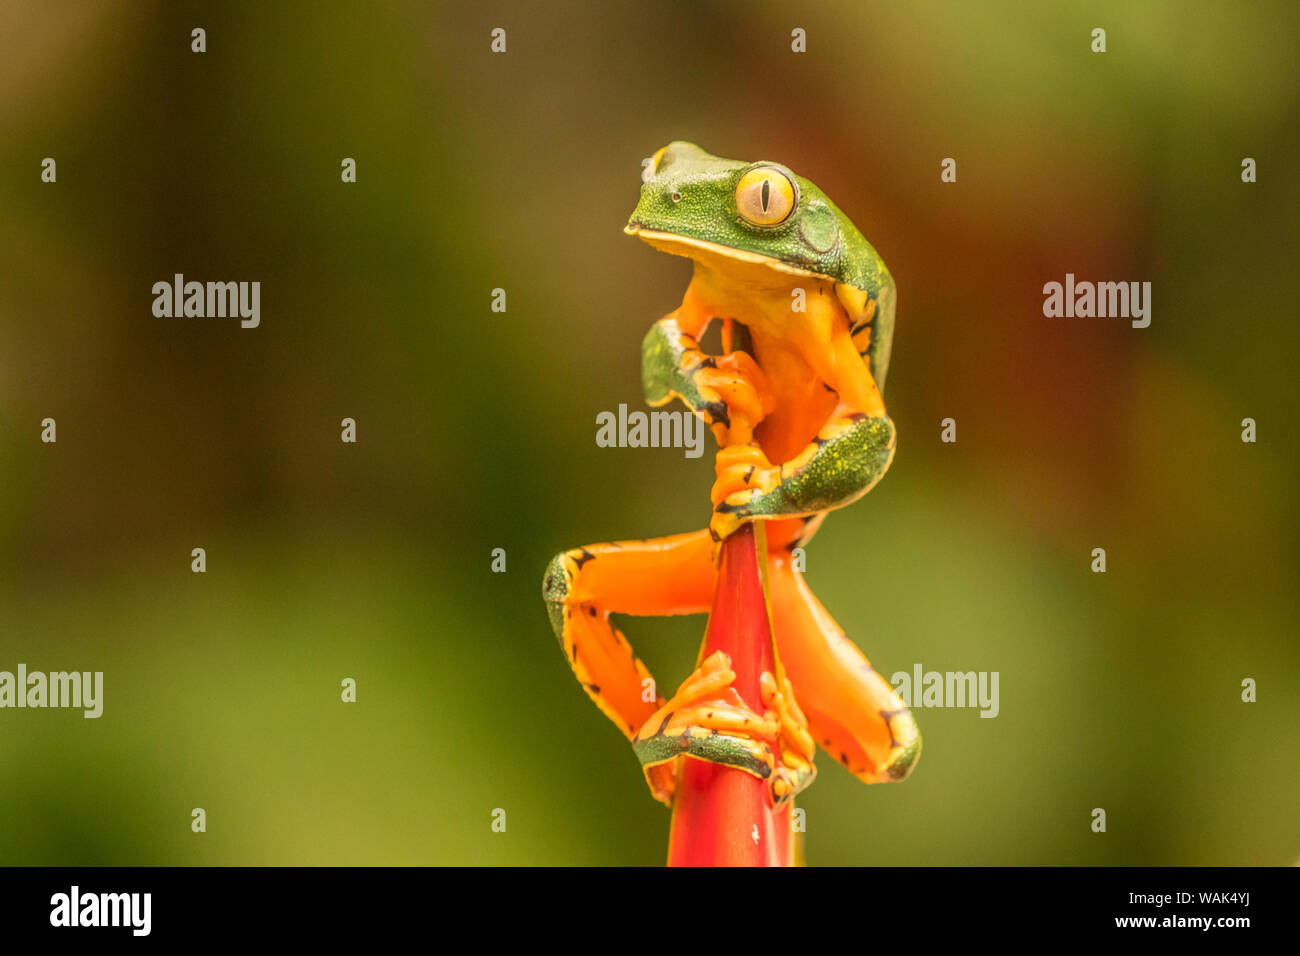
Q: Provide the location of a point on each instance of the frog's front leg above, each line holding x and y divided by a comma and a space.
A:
727, 391
844, 460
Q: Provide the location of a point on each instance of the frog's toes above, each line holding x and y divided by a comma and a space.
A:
725, 522
790, 778
738, 503
734, 510
795, 769
717, 413
706, 719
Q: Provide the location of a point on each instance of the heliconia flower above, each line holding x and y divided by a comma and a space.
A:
723, 816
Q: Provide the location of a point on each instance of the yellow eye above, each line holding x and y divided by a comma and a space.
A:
765, 196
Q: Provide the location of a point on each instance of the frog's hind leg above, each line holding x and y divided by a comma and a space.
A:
583, 586
852, 711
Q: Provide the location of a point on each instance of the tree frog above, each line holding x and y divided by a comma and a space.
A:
802, 430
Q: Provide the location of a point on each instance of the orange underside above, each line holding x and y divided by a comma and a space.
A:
813, 373
813, 369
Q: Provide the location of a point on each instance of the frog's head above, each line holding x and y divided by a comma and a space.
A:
694, 203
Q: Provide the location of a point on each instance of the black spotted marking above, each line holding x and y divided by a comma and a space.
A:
710, 362
829, 389
594, 688
750, 474
591, 609
718, 412
583, 557
889, 715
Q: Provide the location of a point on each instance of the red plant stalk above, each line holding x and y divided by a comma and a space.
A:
723, 816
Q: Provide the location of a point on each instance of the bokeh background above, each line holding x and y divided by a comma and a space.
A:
476, 429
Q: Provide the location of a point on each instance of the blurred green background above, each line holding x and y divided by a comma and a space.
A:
476, 429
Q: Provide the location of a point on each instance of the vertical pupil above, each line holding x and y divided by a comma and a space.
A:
767, 189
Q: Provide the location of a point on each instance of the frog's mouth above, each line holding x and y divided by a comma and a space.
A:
702, 250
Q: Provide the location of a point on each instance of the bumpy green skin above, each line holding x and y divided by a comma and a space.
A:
692, 193
739, 752
555, 588
902, 766
843, 469
715, 748
663, 377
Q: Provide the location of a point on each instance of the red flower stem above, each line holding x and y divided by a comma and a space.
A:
723, 816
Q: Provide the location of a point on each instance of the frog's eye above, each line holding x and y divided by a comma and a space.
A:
765, 196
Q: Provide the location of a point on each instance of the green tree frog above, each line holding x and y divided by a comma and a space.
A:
802, 430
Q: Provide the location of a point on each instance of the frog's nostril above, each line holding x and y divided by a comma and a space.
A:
675, 196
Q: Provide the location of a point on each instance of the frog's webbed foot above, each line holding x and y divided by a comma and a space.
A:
736, 382
706, 719
729, 392
743, 473
795, 769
